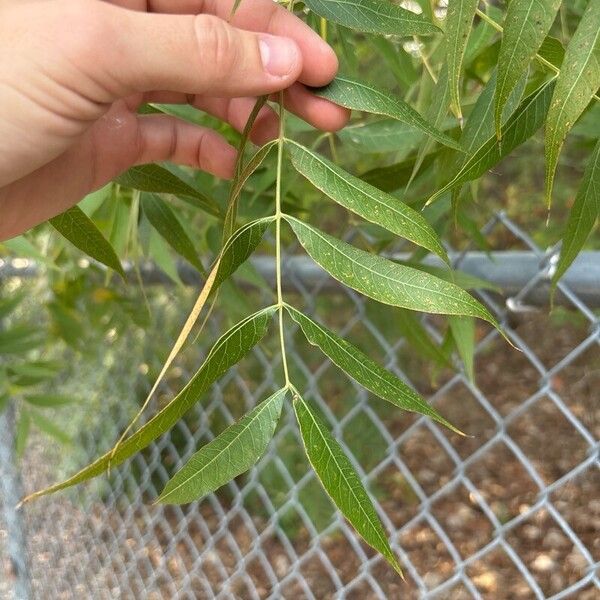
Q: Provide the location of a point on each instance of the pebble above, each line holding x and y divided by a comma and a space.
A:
543, 563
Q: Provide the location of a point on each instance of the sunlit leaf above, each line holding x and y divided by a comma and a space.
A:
583, 216
358, 95
578, 81
525, 26
365, 200
230, 454
384, 280
340, 480
372, 16
227, 351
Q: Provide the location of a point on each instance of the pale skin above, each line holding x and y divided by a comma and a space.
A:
74, 72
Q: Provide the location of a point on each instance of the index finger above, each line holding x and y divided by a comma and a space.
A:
320, 63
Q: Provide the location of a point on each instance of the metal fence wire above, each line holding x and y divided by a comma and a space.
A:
511, 511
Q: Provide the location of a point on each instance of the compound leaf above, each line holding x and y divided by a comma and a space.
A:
79, 229
230, 454
340, 480
365, 200
358, 95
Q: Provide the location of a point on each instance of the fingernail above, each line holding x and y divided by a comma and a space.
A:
279, 55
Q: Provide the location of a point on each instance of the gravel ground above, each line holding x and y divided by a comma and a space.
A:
145, 553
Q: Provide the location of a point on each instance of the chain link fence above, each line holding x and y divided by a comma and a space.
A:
511, 511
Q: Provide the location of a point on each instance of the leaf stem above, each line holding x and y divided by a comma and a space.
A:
278, 217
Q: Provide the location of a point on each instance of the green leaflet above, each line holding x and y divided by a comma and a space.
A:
229, 349
395, 176
463, 332
525, 27
230, 454
578, 81
48, 400
365, 371
163, 219
458, 27
238, 185
20, 339
340, 480
387, 135
384, 280
372, 16
49, 428
583, 215
357, 95
159, 180
79, 229
524, 122
365, 200
239, 247
7, 305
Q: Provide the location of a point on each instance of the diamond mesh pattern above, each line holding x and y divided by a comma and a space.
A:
512, 511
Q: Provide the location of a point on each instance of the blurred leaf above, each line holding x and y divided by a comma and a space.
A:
463, 333
20, 339
159, 252
340, 480
359, 95
365, 200
22, 432
48, 400
50, 428
8, 305
372, 16
384, 280
397, 60
395, 176
164, 220
526, 24
79, 229
230, 454
583, 216
365, 371
578, 81
229, 349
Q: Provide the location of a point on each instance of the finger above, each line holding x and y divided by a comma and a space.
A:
320, 63
131, 52
116, 143
234, 111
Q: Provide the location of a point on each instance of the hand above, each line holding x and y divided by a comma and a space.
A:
74, 72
